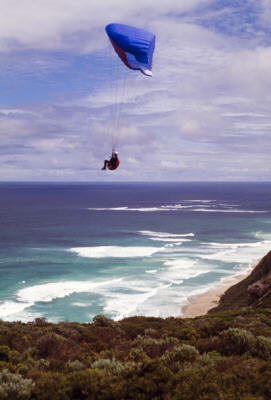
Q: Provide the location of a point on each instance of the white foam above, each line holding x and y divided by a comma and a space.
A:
177, 241
11, 307
236, 245
193, 207
78, 304
180, 263
148, 209
263, 235
140, 209
115, 251
199, 201
47, 292
160, 293
180, 269
164, 234
27, 315
174, 207
241, 252
108, 208
123, 305
228, 210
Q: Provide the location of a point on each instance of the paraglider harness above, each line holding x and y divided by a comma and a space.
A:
113, 163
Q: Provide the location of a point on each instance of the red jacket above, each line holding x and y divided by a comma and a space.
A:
113, 163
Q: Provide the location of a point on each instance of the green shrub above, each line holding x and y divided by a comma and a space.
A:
103, 321
41, 321
75, 365
188, 333
51, 386
14, 386
89, 384
112, 367
150, 332
138, 355
155, 347
209, 359
262, 347
49, 344
180, 354
234, 341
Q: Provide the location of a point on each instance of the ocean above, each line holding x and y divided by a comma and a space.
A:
71, 251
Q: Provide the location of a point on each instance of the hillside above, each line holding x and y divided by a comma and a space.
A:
254, 291
220, 356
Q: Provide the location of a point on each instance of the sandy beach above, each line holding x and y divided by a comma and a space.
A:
201, 304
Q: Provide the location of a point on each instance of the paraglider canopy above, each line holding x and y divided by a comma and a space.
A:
134, 46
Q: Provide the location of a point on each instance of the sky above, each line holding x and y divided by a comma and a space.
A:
64, 93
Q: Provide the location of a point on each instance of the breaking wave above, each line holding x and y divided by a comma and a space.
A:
115, 251
186, 206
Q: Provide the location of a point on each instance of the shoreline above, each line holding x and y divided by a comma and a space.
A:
200, 304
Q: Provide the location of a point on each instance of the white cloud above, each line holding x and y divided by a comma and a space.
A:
13, 128
250, 71
199, 117
62, 24
13, 111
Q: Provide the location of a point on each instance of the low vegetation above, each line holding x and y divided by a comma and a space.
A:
223, 356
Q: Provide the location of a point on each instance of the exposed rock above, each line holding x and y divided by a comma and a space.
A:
259, 288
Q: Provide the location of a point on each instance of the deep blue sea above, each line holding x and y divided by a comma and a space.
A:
71, 251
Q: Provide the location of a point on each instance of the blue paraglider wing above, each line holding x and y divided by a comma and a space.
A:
134, 46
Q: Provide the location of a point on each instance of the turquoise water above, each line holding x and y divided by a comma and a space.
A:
70, 251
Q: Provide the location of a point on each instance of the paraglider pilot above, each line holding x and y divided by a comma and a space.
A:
113, 163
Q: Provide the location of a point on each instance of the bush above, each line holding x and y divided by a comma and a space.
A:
75, 365
262, 347
89, 384
209, 359
41, 322
103, 321
138, 354
155, 347
14, 386
234, 341
48, 345
188, 333
150, 332
180, 354
112, 367
51, 386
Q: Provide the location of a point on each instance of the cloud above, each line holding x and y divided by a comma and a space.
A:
204, 114
66, 24
250, 71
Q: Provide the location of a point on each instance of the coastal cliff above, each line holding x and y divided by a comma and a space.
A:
253, 291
